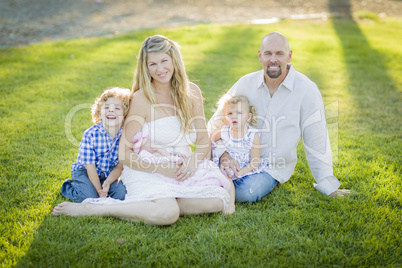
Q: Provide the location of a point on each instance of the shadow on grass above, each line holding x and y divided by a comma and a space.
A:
372, 89
374, 141
375, 96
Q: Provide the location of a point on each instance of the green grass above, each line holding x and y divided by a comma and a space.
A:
358, 67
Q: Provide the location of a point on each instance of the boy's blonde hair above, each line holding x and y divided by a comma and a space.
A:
179, 82
114, 92
227, 99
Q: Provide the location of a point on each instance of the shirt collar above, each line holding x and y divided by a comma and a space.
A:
260, 79
290, 78
101, 128
103, 131
288, 82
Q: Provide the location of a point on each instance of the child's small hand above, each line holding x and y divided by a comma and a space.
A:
105, 189
102, 193
240, 173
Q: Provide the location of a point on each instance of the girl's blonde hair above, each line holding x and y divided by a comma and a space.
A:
227, 99
179, 82
114, 92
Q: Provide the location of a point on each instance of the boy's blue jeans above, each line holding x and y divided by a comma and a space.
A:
80, 187
252, 188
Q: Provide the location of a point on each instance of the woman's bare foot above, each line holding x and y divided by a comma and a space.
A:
74, 209
229, 210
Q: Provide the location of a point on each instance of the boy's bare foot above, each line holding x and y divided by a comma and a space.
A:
74, 209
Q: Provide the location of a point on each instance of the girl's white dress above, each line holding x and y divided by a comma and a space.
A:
207, 181
238, 149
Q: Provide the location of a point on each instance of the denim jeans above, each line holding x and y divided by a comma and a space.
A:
253, 187
80, 187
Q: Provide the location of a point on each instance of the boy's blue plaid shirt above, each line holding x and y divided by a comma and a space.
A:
97, 147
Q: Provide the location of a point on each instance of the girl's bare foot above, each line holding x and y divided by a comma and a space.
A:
74, 209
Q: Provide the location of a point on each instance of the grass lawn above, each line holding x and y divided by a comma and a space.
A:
358, 68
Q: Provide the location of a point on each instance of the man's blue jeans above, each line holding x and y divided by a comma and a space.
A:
254, 187
80, 187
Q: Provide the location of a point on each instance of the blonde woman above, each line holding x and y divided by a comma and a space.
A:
170, 108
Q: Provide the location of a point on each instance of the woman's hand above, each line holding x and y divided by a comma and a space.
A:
169, 169
187, 167
180, 155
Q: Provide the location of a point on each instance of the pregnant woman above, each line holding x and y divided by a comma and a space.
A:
169, 108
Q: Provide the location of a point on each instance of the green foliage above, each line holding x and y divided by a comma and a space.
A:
358, 70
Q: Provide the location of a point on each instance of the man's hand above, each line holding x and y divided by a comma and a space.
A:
229, 166
341, 193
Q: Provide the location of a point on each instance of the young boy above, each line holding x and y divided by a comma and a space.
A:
97, 169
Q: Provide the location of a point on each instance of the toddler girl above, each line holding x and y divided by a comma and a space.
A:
238, 136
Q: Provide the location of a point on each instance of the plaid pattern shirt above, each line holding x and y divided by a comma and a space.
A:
98, 148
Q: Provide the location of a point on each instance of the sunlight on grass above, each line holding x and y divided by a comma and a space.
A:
357, 67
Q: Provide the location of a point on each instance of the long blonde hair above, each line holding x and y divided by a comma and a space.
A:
227, 99
179, 82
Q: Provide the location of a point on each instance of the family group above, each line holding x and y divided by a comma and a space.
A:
136, 162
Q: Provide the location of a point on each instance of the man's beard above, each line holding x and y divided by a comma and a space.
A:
274, 74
